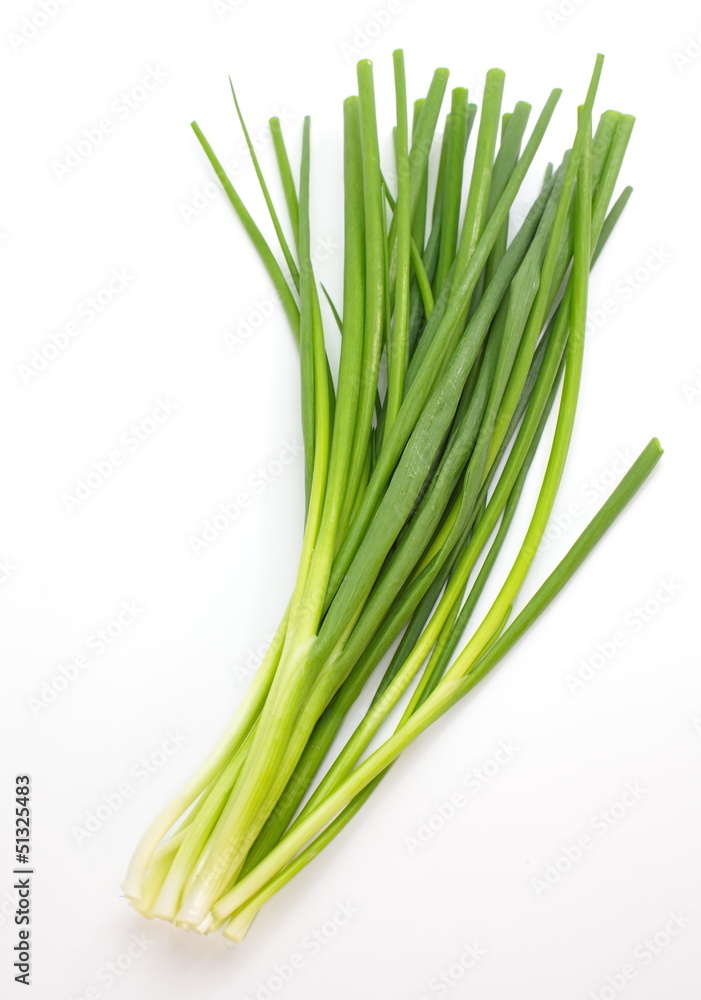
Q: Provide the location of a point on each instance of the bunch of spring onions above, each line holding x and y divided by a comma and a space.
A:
413, 477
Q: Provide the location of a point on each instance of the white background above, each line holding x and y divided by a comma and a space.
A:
141, 202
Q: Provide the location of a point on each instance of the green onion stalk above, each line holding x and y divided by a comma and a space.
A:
413, 478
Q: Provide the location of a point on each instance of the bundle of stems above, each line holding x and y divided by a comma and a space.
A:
457, 342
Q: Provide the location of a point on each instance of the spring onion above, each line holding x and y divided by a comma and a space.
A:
412, 478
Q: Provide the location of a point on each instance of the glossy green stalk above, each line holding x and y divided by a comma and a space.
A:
418, 223
421, 276
513, 130
398, 342
287, 253
454, 167
422, 138
273, 268
286, 176
375, 290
